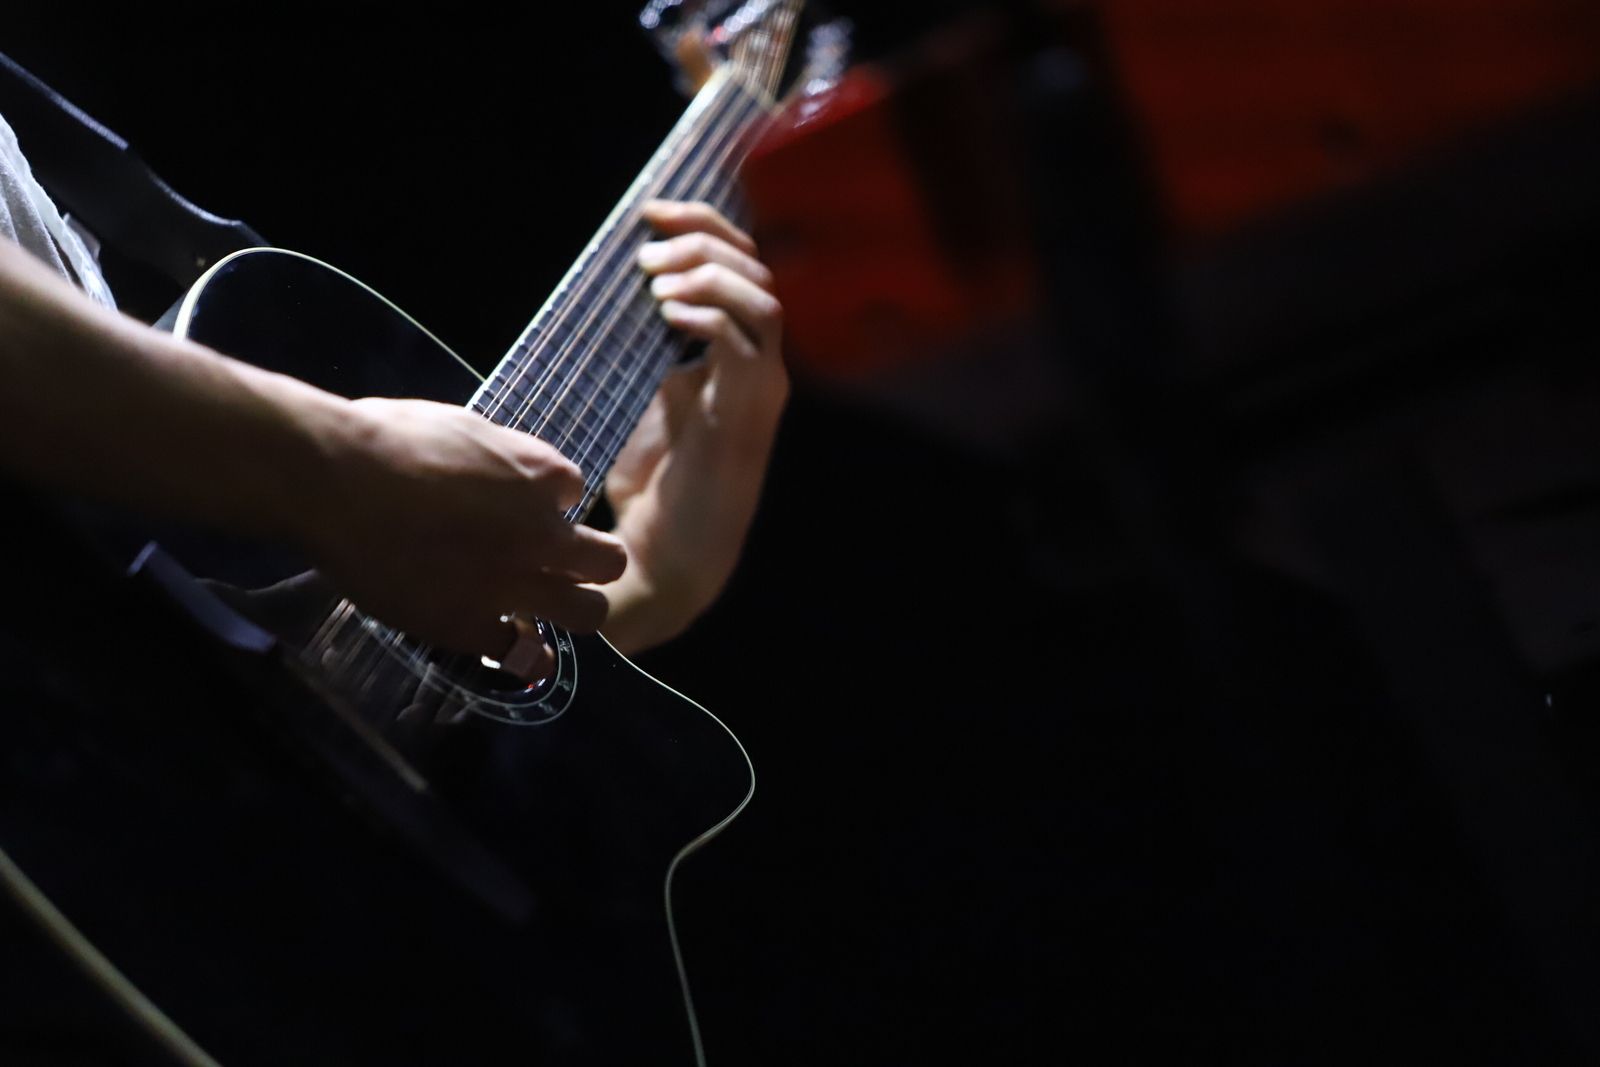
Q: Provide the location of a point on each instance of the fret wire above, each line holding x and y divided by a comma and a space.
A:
601, 266
639, 308
762, 49
642, 386
594, 378
641, 382
558, 426
613, 433
674, 344
512, 376
624, 247
588, 341
604, 427
605, 384
522, 355
572, 335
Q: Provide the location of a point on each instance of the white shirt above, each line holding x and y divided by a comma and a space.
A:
29, 217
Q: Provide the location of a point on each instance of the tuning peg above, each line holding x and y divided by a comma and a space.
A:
828, 47
680, 29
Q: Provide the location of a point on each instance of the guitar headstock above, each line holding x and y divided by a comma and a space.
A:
754, 38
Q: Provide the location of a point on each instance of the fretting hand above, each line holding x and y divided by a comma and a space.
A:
685, 486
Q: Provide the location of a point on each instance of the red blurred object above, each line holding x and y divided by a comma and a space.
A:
891, 209
1248, 106
842, 224
853, 216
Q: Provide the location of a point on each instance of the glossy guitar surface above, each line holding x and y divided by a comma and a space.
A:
308, 838
543, 928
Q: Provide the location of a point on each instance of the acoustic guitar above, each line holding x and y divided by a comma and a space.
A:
404, 855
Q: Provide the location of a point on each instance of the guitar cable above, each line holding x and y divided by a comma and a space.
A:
100, 970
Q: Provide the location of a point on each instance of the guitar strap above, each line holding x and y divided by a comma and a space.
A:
105, 186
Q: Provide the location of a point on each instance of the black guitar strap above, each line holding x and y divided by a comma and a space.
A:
94, 176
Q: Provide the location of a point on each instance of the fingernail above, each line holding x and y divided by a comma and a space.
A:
664, 285
651, 255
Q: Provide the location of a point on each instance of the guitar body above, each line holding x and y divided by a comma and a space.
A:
309, 838
474, 889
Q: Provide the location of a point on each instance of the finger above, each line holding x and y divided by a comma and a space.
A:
749, 385
549, 469
711, 324
754, 309
679, 254
585, 554
673, 217
573, 607
568, 484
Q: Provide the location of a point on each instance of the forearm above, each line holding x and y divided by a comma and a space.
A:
92, 402
678, 568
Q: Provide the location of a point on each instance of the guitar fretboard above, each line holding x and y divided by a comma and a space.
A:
584, 370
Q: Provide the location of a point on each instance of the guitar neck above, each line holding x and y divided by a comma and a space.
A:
582, 373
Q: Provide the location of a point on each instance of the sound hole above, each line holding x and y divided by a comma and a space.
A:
484, 675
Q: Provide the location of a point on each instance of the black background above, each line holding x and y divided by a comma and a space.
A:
1003, 814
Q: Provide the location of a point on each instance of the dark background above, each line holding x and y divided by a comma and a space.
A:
1023, 795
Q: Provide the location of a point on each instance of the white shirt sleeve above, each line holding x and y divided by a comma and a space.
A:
29, 217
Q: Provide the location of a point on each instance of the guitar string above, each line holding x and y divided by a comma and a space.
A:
768, 76
599, 445
339, 620
529, 344
631, 402
722, 198
615, 277
645, 363
714, 184
775, 38
516, 367
634, 400
642, 376
512, 371
766, 37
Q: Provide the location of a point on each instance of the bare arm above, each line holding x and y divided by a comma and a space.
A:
427, 515
95, 402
